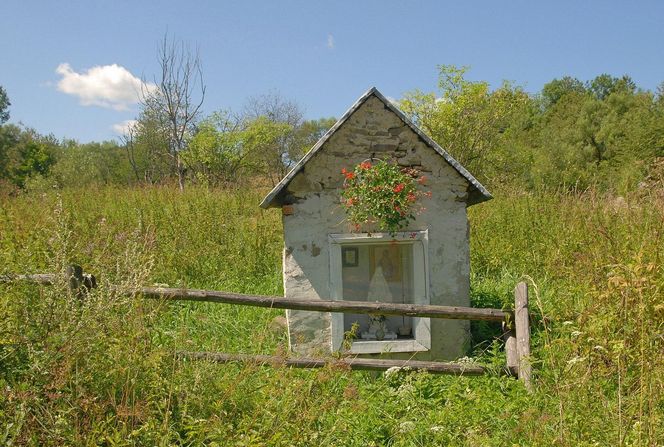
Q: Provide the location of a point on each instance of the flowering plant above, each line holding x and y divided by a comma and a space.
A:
382, 193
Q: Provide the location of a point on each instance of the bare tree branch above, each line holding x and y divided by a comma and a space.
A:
177, 99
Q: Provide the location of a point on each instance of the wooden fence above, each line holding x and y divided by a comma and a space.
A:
516, 325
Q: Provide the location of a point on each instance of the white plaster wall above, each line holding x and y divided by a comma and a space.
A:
374, 131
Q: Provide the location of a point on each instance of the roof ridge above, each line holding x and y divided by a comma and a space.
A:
483, 192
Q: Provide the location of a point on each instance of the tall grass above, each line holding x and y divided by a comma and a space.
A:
102, 370
596, 264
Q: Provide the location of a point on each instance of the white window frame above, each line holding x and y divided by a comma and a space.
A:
421, 326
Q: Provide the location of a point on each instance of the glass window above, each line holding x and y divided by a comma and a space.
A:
378, 272
380, 267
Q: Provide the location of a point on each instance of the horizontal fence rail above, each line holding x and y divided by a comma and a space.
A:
46, 279
357, 307
344, 362
515, 323
280, 302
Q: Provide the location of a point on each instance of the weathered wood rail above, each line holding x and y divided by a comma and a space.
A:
354, 363
356, 307
515, 323
47, 279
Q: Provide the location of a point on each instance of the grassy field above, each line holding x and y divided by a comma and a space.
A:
102, 372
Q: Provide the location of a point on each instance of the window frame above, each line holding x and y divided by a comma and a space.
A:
421, 340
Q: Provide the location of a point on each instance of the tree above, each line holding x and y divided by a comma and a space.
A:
9, 136
216, 153
604, 138
286, 136
174, 103
24, 153
660, 93
128, 140
285, 117
4, 106
146, 144
307, 134
553, 91
274, 107
81, 165
470, 121
230, 148
265, 144
603, 85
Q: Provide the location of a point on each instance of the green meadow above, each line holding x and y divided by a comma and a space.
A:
102, 371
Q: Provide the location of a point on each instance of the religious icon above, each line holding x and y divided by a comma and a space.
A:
388, 257
349, 256
379, 290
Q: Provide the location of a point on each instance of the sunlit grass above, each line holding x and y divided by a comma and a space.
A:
103, 371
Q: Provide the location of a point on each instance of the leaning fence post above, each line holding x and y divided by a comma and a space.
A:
522, 326
79, 283
74, 277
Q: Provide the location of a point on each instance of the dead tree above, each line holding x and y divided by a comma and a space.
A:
176, 98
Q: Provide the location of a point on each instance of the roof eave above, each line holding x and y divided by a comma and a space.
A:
477, 192
274, 193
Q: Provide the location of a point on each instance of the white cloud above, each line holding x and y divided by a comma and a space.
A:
110, 86
123, 127
330, 41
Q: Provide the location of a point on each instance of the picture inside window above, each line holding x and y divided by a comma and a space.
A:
378, 272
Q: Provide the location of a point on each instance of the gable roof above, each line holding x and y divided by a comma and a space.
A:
477, 192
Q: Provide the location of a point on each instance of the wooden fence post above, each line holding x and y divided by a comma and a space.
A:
79, 282
509, 335
75, 278
522, 326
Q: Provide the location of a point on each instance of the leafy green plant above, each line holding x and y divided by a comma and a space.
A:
383, 194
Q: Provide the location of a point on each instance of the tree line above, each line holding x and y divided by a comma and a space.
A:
224, 148
605, 133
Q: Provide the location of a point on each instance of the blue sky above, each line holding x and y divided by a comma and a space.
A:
321, 54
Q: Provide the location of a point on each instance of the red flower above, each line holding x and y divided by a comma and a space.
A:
365, 165
428, 194
349, 175
411, 197
399, 187
351, 201
421, 180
